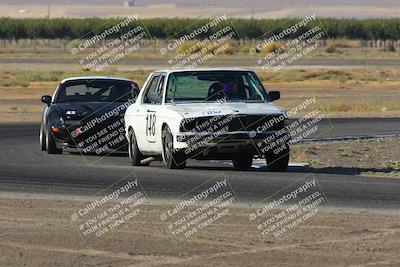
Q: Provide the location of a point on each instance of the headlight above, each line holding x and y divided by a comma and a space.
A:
187, 125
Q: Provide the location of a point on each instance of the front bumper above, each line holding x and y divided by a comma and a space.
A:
229, 136
95, 140
242, 140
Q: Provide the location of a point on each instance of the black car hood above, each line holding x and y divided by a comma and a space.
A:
85, 110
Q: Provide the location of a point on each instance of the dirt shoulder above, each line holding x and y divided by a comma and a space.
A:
38, 232
376, 157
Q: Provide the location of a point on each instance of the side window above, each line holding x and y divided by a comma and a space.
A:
150, 90
55, 94
155, 90
246, 86
160, 87
135, 90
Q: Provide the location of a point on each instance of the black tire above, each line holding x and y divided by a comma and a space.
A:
279, 162
135, 156
51, 143
242, 163
42, 138
172, 159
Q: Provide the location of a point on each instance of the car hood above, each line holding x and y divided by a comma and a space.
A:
80, 110
213, 109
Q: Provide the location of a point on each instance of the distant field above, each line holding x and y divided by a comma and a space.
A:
367, 92
37, 54
348, 81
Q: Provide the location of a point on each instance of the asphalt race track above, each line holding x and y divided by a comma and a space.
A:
26, 169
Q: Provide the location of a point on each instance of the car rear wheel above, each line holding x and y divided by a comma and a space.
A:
135, 156
42, 138
243, 162
278, 162
51, 143
172, 159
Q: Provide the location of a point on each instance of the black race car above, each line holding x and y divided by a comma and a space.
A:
87, 114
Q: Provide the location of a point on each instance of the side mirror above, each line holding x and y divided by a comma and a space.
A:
274, 95
46, 99
154, 98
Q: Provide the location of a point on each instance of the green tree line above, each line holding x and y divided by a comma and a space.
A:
161, 28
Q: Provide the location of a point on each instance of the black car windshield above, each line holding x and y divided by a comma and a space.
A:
96, 90
204, 86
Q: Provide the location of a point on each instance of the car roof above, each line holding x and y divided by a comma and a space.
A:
95, 78
202, 69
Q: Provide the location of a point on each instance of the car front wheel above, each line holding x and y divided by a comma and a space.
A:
42, 138
135, 156
51, 143
172, 159
243, 162
278, 162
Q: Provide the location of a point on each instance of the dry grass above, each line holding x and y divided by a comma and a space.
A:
340, 48
339, 93
364, 92
374, 106
359, 75
193, 47
364, 155
337, 99
345, 43
271, 48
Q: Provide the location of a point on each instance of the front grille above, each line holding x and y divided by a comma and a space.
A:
233, 123
94, 136
264, 123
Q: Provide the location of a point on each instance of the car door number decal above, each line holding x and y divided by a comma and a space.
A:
151, 123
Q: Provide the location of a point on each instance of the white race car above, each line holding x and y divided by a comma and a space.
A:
206, 114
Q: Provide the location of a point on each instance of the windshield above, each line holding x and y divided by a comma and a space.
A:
215, 85
96, 90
